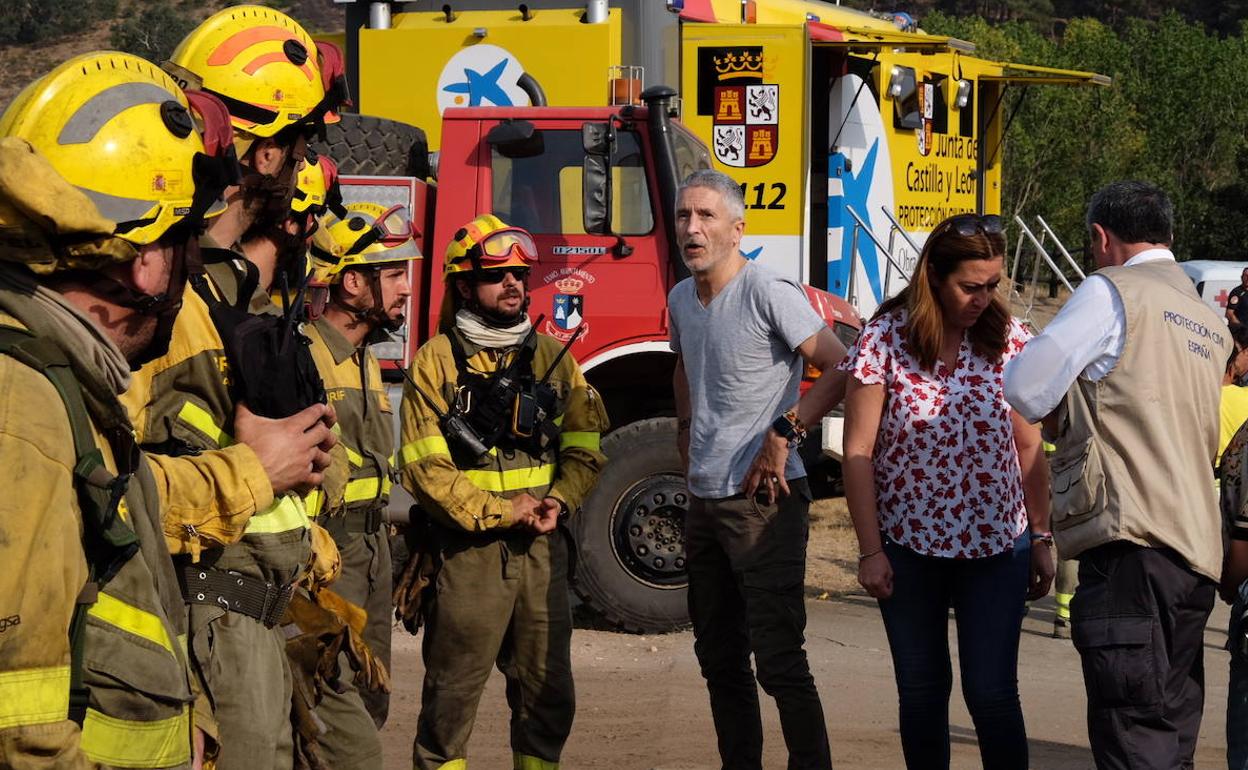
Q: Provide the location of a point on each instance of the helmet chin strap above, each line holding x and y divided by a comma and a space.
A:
375, 316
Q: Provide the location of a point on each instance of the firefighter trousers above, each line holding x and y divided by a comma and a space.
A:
247, 679
499, 601
353, 717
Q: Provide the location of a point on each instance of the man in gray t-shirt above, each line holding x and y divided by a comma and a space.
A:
743, 368
742, 335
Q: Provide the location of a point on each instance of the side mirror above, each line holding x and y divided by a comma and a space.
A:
516, 139
598, 140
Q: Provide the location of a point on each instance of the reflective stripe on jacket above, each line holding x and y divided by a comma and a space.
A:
475, 498
135, 667
183, 399
365, 426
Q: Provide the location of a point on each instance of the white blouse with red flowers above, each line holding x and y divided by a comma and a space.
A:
947, 479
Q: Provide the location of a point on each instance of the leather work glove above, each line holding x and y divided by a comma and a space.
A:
370, 673
419, 573
325, 565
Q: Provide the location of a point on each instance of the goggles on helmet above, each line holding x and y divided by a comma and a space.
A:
390, 229
506, 244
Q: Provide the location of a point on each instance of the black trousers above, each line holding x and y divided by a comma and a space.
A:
747, 566
1138, 621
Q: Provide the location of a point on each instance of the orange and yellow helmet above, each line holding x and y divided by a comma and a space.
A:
265, 67
487, 243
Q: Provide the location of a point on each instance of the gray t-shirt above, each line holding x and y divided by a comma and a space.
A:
740, 358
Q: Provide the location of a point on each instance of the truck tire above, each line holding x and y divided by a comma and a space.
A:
362, 144
629, 535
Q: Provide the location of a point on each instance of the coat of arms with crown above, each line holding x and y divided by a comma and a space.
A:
746, 113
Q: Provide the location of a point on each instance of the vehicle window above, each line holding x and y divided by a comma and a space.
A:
542, 194
691, 154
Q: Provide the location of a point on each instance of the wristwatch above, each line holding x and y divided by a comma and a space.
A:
788, 427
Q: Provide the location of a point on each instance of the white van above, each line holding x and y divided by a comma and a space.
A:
1214, 280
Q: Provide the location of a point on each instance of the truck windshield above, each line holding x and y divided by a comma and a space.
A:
542, 194
691, 154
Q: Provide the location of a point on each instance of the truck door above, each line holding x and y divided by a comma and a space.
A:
612, 287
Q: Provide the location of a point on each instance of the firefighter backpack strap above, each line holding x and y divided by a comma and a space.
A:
107, 540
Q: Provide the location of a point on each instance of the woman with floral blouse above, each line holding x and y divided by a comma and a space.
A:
948, 491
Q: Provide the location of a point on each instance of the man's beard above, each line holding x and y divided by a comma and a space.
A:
498, 319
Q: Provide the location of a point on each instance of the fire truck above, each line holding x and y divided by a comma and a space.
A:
850, 135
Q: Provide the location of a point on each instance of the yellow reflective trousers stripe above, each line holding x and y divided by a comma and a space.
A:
422, 448
133, 743
454, 764
127, 617
581, 438
527, 762
34, 696
515, 478
198, 418
285, 514
365, 489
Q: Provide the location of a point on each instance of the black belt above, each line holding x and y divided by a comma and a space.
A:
235, 592
367, 522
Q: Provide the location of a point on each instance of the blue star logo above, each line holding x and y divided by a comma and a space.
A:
855, 191
482, 87
751, 255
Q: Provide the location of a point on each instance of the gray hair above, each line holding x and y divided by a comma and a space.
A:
721, 183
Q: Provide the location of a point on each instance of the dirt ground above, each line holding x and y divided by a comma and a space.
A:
642, 704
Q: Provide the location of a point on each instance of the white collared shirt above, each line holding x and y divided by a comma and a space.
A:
1085, 339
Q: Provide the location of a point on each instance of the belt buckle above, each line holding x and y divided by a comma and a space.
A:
276, 599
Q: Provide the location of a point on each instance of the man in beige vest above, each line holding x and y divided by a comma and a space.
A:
1127, 380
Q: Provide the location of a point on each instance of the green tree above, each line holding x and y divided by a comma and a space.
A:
154, 31
33, 21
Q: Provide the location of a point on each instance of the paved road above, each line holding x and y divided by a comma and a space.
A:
642, 704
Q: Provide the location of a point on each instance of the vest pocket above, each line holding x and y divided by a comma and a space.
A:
1078, 483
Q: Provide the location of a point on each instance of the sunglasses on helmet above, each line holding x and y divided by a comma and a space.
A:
967, 225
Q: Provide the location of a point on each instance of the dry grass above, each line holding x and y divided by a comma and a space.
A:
832, 554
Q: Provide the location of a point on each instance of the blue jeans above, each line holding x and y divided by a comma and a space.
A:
1237, 687
987, 598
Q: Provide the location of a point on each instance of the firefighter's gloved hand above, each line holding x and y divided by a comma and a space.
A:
326, 563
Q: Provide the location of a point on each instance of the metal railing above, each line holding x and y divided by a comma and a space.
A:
1044, 257
891, 263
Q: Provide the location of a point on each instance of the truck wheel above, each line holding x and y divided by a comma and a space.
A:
630, 535
362, 144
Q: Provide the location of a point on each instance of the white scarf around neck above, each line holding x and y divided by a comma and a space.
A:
478, 332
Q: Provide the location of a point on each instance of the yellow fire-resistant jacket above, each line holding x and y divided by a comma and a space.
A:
475, 498
135, 664
183, 397
365, 425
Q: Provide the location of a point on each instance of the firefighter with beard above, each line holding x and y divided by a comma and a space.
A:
231, 346
360, 280
104, 181
495, 501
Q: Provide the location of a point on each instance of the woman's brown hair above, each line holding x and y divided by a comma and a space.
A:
945, 249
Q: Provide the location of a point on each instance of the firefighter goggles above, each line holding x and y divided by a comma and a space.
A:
503, 245
391, 229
